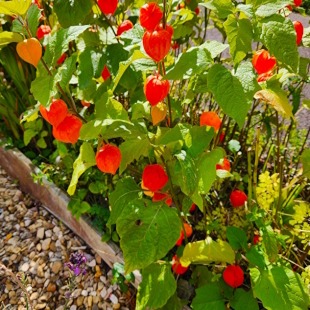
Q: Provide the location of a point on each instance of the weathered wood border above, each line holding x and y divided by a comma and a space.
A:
19, 167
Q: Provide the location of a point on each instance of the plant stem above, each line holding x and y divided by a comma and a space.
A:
250, 177
19, 283
281, 164
256, 161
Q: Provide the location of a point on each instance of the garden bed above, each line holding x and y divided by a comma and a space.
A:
56, 201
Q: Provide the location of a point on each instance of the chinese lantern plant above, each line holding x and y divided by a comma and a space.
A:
165, 129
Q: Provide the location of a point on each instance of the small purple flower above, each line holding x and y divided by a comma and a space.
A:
77, 263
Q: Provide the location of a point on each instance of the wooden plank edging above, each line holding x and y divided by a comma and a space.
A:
19, 167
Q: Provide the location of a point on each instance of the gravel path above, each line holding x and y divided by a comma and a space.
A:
35, 244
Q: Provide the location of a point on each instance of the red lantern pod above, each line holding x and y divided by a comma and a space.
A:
210, 119
298, 2
233, 276
107, 6
263, 62
124, 26
238, 198
154, 177
108, 158
177, 266
157, 43
68, 131
56, 113
105, 74
299, 28
223, 165
156, 89
150, 15
42, 31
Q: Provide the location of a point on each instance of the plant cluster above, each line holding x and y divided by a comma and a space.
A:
185, 150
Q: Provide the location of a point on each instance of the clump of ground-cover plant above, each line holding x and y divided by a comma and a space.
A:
185, 150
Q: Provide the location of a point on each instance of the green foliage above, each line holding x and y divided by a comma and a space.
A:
246, 146
207, 251
228, 93
78, 12
147, 232
279, 287
157, 286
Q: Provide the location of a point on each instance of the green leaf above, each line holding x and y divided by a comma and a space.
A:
91, 130
200, 138
43, 89
174, 303
248, 79
7, 37
125, 192
33, 19
209, 297
305, 160
28, 135
78, 208
147, 231
215, 48
137, 54
194, 61
71, 12
109, 108
243, 300
255, 257
14, 7
207, 169
65, 71
276, 98
269, 9
279, 288
280, 39
234, 146
270, 244
239, 34
228, 93
85, 160
58, 43
247, 9
132, 150
237, 238
90, 67
185, 173
157, 286
306, 37
206, 252
223, 7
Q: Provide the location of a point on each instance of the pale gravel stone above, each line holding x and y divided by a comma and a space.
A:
46, 244
38, 245
24, 267
113, 298
40, 233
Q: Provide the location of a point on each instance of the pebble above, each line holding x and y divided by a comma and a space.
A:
56, 266
46, 244
113, 298
24, 267
92, 263
40, 233
34, 242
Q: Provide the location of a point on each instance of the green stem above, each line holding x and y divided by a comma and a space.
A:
279, 203
250, 177
256, 161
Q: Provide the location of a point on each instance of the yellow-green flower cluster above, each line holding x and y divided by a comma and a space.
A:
222, 217
267, 190
300, 222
